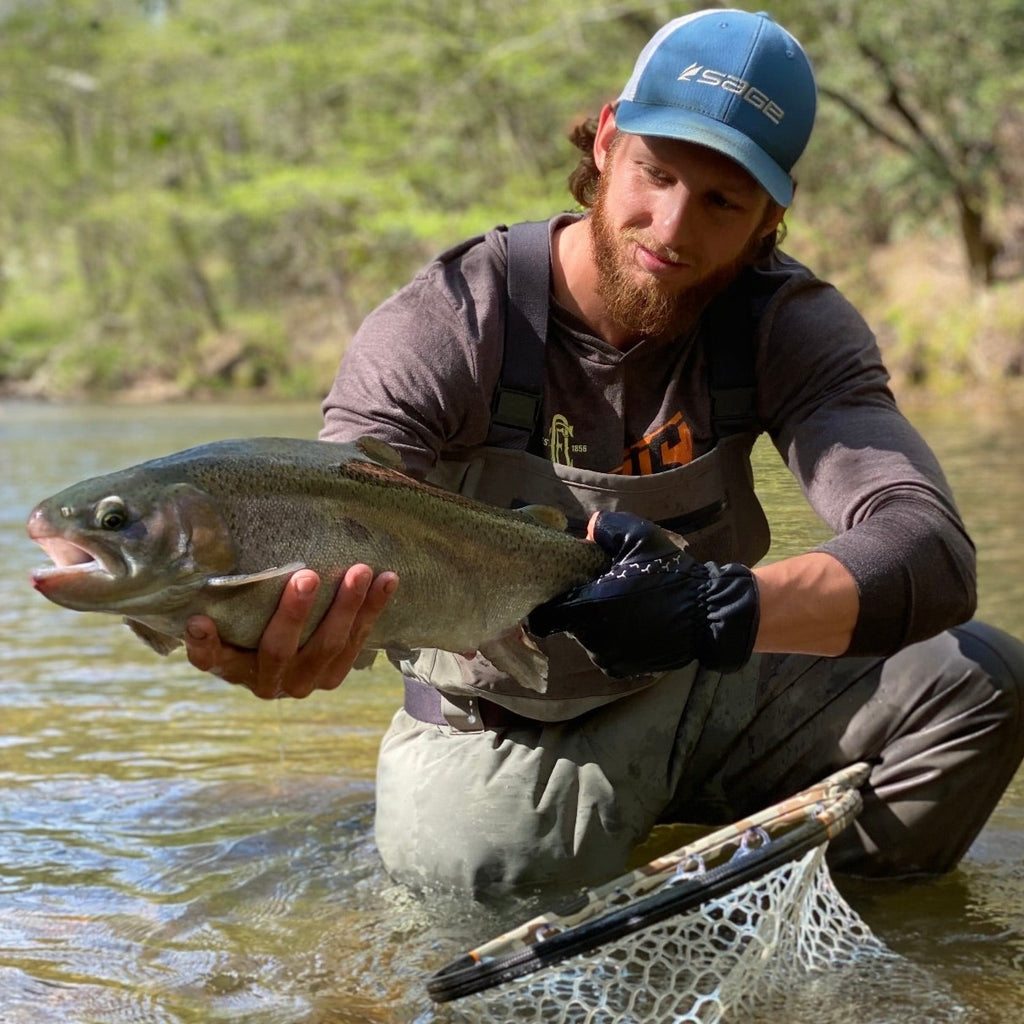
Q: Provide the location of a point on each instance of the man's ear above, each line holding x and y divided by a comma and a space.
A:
773, 217
605, 134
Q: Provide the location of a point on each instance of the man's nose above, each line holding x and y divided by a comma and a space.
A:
673, 218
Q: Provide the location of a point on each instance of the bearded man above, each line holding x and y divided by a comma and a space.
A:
618, 363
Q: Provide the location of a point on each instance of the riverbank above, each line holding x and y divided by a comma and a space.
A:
939, 338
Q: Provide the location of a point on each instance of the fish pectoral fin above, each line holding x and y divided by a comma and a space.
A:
162, 643
243, 579
517, 655
545, 515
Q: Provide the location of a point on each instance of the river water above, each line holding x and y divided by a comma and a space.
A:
173, 850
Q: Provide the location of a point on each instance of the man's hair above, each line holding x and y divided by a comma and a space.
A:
584, 178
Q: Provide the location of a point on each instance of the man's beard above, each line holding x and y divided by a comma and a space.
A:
650, 308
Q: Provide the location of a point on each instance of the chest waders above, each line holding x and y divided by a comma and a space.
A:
561, 788
710, 501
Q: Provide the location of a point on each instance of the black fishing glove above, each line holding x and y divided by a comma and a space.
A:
656, 608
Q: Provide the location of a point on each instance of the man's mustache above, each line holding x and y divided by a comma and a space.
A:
654, 246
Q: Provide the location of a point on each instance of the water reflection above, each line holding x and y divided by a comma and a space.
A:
173, 850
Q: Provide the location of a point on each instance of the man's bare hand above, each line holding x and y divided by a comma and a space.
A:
280, 667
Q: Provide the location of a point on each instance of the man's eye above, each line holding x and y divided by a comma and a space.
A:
656, 175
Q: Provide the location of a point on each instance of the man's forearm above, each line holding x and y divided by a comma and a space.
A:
809, 605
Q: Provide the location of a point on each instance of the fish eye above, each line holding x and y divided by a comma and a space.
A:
111, 514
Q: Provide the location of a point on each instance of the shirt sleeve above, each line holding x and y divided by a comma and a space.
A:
824, 397
420, 371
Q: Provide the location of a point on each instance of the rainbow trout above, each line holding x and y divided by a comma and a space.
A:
219, 528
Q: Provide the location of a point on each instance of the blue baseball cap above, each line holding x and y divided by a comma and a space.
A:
733, 81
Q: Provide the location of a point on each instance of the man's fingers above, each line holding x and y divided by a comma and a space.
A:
350, 620
280, 667
374, 596
266, 672
208, 654
280, 639
202, 644
333, 631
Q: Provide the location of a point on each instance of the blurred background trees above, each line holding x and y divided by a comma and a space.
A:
209, 194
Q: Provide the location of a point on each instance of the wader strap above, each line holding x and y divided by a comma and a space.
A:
729, 326
465, 714
520, 391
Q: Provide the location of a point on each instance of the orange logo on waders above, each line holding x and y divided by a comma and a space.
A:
669, 445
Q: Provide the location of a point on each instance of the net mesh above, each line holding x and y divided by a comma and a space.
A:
726, 960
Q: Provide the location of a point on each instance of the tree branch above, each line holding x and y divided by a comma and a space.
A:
871, 123
895, 101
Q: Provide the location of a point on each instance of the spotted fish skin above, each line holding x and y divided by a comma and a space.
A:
218, 529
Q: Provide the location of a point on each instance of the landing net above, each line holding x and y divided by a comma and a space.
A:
725, 924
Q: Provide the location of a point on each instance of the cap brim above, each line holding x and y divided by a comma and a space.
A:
673, 123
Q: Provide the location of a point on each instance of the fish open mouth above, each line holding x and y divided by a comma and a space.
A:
69, 560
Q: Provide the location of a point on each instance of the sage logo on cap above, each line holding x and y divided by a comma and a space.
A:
733, 81
732, 84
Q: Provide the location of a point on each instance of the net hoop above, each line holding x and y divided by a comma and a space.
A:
687, 878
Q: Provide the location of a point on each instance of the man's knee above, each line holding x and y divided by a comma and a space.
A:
1001, 657
992, 671
948, 757
998, 654
972, 675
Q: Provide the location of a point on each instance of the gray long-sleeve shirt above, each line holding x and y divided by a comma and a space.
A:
421, 373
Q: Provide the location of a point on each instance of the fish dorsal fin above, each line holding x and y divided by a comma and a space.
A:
545, 515
243, 579
380, 451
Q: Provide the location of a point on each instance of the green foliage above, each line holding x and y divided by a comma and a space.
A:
212, 193
28, 329
931, 109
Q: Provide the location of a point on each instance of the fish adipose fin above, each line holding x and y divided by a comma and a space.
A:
517, 655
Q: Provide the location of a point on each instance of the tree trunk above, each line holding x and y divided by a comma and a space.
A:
200, 282
980, 248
